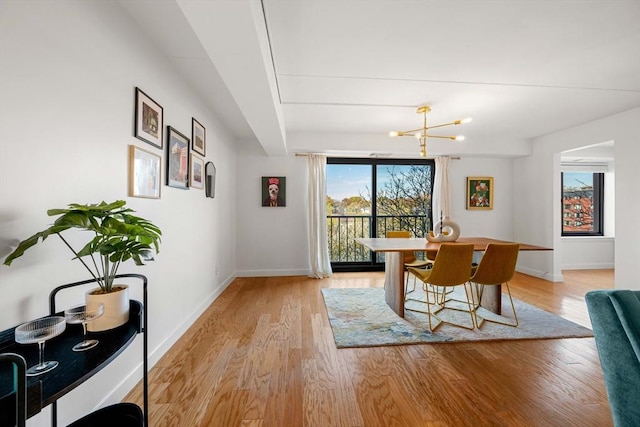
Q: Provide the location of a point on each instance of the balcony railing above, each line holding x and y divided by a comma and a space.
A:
344, 229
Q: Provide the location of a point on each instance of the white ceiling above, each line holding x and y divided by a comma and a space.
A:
321, 75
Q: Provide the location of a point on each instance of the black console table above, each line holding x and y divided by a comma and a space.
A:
74, 367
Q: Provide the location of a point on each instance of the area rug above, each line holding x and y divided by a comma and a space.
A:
360, 317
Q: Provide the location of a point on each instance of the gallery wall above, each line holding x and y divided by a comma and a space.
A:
68, 74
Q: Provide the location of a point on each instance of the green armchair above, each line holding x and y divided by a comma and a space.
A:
615, 318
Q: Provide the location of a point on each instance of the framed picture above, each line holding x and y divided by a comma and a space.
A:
177, 159
210, 180
198, 137
149, 119
479, 192
196, 174
274, 191
144, 173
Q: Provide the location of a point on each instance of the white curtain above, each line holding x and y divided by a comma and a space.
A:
318, 245
441, 194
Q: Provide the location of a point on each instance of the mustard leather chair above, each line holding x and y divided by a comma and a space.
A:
497, 266
452, 267
410, 259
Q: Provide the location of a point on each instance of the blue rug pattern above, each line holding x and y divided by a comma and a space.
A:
360, 317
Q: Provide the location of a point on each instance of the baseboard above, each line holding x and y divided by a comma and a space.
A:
590, 266
132, 379
540, 274
271, 273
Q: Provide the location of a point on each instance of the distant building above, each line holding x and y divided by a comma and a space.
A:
577, 209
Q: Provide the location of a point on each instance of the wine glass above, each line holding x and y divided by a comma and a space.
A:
84, 314
38, 331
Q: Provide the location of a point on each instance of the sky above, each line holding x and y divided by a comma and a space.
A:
348, 180
577, 179
352, 180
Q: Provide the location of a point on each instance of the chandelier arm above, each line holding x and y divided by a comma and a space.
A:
457, 122
411, 132
443, 137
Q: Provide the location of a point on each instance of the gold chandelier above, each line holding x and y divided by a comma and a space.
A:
421, 134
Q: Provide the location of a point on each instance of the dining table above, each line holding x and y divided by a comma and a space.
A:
396, 248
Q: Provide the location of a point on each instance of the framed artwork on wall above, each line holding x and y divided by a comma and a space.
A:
144, 173
196, 174
479, 192
198, 137
274, 191
177, 159
210, 180
148, 119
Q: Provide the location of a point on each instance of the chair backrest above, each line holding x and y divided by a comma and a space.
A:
498, 264
398, 234
615, 318
14, 410
409, 256
452, 265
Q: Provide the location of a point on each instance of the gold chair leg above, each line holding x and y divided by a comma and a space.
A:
406, 283
470, 305
513, 310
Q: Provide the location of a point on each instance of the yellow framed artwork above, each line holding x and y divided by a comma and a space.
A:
480, 192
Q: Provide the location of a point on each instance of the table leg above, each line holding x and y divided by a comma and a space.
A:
492, 295
492, 298
394, 281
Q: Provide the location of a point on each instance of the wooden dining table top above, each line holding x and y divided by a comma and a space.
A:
383, 244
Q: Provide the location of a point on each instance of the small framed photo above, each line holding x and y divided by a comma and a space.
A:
144, 173
148, 120
479, 192
274, 191
198, 137
177, 159
196, 176
210, 180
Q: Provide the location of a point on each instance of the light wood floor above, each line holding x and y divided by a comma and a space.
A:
263, 355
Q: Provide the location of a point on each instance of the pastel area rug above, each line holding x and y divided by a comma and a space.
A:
360, 317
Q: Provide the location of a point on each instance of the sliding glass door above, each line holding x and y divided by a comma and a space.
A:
367, 198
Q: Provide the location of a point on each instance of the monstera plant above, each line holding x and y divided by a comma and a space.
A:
115, 237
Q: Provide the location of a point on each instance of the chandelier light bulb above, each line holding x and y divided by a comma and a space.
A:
394, 133
466, 120
418, 135
459, 138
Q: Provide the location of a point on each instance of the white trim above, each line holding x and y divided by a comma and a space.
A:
271, 273
540, 274
589, 266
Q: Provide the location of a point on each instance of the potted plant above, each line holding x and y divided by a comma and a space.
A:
116, 236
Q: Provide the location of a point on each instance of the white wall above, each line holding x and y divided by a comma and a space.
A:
587, 253
540, 172
496, 223
272, 241
67, 76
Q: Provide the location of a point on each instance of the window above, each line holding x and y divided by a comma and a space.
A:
582, 201
367, 198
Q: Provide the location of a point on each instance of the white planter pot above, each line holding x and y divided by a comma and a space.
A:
116, 308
